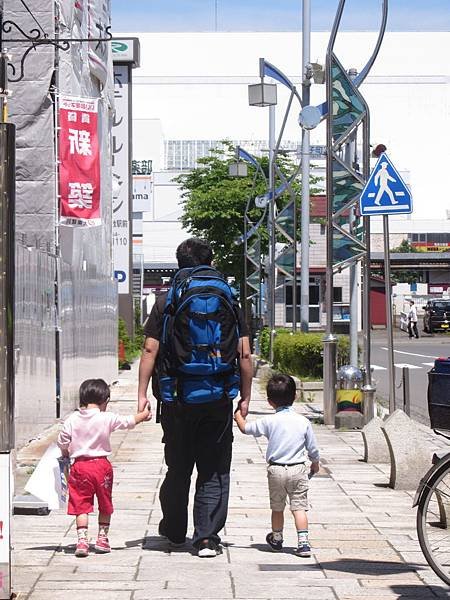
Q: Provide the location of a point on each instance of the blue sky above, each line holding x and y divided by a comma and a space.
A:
272, 15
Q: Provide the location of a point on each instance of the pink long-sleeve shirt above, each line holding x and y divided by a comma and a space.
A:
87, 432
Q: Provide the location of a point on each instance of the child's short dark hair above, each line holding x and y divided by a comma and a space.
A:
94, 391
281, 390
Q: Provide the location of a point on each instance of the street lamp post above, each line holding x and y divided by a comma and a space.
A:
239, 169
265, 94
304, 257
271, 230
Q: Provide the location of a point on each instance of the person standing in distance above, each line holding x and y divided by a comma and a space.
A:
412, 320
197, 353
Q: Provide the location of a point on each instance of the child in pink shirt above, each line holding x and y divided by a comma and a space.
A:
85, 437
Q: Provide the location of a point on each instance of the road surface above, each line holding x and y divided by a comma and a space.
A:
419, 356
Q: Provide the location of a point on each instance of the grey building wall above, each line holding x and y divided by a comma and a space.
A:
82, 307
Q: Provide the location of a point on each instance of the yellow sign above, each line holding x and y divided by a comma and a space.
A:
349, 399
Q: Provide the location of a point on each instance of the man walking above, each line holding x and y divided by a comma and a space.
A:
412, 320
196, 348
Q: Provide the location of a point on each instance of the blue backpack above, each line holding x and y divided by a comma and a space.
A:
198, 353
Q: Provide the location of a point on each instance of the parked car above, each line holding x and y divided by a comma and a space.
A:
436, 316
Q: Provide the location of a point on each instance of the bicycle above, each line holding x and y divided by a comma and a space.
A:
433, 494
433, 514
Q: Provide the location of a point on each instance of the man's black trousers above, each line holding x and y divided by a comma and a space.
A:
199, 435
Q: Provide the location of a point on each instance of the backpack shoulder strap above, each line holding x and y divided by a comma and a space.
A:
177, 280
206, 270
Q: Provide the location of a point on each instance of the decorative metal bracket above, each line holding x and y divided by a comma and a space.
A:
36, 38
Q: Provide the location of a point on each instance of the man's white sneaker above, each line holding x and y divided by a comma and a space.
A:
209, 549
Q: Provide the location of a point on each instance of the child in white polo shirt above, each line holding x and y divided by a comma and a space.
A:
291, 443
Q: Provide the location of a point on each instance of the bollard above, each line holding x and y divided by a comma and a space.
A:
349, 398
406, 394
329, 379
368, 391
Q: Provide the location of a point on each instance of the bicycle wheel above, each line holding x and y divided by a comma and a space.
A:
433, 523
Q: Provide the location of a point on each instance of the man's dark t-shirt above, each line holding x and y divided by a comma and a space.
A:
154, 323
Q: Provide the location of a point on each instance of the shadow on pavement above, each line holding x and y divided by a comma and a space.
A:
156, 543
352, 565
422, 592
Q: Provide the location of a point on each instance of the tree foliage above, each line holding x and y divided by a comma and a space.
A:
403, 275
214, 204
405, 246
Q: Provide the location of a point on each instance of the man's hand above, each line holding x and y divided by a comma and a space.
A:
143, 415
142, 403
243, 406
148, 411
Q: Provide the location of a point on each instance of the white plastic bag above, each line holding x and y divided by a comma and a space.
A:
49, 480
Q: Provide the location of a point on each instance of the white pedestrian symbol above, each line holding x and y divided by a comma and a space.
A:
382, 179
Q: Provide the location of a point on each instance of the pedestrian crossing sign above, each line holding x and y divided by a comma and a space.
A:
385, 193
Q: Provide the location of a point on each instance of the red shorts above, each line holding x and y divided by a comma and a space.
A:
90, 477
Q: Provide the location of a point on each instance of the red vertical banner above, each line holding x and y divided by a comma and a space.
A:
79, 168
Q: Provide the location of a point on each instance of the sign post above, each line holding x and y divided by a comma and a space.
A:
7, 210
385, 194
125, 57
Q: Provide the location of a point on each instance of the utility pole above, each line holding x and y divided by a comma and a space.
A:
7, 246
304, 259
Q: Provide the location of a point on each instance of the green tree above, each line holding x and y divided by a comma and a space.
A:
214, 204
405, 246
405, 276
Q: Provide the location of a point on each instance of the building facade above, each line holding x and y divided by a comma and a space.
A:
66, 297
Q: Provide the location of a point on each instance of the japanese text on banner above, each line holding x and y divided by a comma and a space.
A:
79, 173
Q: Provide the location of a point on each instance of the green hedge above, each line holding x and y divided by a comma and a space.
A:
133, 346
301, 354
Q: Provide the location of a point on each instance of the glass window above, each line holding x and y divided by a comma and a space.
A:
337, 294
314, 294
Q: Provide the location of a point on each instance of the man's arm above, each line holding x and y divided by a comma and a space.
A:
246, 369
146, 368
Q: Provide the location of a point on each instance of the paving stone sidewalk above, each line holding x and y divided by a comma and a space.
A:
363, 533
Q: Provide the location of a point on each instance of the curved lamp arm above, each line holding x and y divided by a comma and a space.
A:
359, 79
242, 154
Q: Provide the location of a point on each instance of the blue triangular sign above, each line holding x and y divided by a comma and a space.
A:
385, 193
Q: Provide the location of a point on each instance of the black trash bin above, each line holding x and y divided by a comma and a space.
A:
439, 399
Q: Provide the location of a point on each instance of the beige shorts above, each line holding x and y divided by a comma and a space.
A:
289, 481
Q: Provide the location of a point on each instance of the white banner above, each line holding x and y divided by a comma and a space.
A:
142, 193
121, 180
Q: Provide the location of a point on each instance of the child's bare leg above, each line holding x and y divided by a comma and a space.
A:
301, 520
82, 520
301, 524
102, 544
277, 520
82, 525
275, 538
82, 548
104, 522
